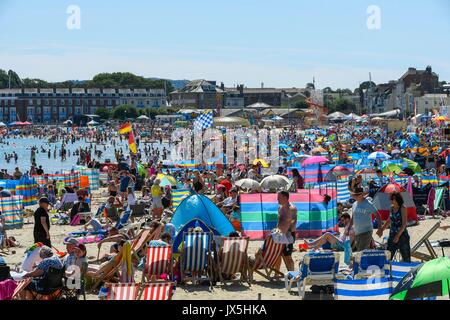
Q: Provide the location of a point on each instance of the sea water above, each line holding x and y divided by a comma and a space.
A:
22, 146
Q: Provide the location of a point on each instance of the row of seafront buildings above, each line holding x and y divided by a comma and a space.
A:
416, 91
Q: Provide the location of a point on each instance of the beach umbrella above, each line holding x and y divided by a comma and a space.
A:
274, 182
262, 161
143, 117
2, 124
315, 160
392, 188
226, 183
392, 168
430, 279
340, 171
92, 123
318, 150
248, 184
26, 123
378, 156
409, 164
167, 180
367, 141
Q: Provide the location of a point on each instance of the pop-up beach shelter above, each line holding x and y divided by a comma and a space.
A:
201, 208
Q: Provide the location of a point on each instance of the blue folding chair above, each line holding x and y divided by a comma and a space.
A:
316, 269
371, 263
196, 259
123, 221
363, 289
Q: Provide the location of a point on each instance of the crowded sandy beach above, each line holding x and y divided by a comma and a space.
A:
342, 192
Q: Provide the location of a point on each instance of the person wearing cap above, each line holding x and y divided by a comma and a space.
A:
41, 230
70, 258
361, 221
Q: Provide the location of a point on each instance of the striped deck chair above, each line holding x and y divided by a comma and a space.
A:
267, 259
157, 291
158, 261
233, 258
399, 270
21, 285
196, 257
363, 289
122, 291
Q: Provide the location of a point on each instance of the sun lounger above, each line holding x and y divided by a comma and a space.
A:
363, 289
233, 259
371, 263
316, 269
122, 291
196, 258
267, 260
425, 240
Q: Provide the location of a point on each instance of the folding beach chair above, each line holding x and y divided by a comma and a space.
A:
316, 269
122, 291
138, 210
157, 291
268, 260
158, 261
363, 289
371, 263
67, 202
425, 240
233, 258
21, 285
399, 270
123, 221
196, 258
132, 291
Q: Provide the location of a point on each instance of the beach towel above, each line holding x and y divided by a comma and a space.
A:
7, 288
127, 270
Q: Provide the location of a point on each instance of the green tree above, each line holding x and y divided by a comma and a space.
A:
104, 113
342, 105
125, 111
301, 105
5, 77
35, 83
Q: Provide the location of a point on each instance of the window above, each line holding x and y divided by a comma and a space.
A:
109, 102
78, 102
62, 102
93, 102
47, 102
70, 102
30, 102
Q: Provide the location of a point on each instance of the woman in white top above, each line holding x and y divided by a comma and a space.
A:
131, 198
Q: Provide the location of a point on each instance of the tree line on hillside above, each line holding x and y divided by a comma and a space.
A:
101, 80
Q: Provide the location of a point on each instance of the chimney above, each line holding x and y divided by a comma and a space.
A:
262, 85
222, 86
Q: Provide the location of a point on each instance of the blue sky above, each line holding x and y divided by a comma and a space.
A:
281, 43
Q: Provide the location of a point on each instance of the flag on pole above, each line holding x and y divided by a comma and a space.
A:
125, 128
204, 121
131, 142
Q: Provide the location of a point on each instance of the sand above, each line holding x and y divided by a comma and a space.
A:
267, 290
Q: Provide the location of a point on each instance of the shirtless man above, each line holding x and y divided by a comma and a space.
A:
287, 223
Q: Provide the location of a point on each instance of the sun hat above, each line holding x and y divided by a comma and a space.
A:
71, 241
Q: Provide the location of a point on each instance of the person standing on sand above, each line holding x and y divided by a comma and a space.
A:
287, 222
41, 230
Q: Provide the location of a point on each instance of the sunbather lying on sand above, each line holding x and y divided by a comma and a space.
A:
336, 243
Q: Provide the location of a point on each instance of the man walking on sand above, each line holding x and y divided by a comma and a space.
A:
287, 223
41, 230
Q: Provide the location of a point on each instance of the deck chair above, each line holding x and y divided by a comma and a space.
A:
132, 291
268, 260
138, 210
158, 261
196, 257
363, 289
123, 221
21, 285
67, 202
111, 275
371, 263
233, 258
399, 270
316, 269
425, 240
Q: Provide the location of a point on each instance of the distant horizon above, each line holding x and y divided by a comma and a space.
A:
282, 44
